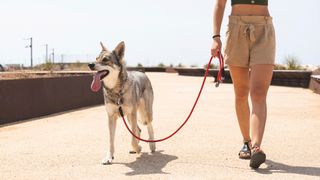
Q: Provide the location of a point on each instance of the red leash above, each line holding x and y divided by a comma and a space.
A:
218, 79
220, 76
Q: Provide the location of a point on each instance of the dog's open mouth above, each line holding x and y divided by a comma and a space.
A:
96, 82
103, 74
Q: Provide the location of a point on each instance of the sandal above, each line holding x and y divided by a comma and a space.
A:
257, 157
245, 152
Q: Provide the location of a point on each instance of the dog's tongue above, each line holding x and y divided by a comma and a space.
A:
96, 83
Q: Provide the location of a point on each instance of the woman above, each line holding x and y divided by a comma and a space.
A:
250, 54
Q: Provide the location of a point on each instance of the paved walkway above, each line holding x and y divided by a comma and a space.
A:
70, 145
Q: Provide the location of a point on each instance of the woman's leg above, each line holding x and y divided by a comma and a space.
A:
260, 78
240, 78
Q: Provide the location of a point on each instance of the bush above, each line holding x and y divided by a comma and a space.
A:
212, 66
180, 65
161, 65
78, 66
48, 66
292, 63
139, 65
279, 67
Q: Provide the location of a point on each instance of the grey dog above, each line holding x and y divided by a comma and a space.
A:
131, 90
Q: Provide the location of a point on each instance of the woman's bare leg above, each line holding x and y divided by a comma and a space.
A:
260, 78
240, 78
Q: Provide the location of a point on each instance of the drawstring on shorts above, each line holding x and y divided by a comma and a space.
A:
249, 30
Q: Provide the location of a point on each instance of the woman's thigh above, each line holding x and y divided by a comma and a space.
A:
260, 79
240, 79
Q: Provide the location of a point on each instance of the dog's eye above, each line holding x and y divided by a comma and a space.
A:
105, 59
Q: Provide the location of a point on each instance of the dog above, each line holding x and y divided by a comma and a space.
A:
132, 90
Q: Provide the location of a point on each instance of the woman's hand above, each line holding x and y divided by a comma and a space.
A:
216, 46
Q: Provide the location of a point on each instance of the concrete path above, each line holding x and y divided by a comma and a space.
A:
71, 145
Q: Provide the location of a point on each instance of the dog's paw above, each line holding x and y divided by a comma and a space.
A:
152, 147
136, 150
107, 160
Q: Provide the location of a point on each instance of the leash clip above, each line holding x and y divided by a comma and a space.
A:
120, 101
220, 75
217, 84
121, 112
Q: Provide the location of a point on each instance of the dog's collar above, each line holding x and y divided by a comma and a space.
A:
116, 97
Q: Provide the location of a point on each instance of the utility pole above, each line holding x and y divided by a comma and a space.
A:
61, 58
31, 54
46, 52
52, 56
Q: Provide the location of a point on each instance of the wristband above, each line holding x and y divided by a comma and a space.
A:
217, 35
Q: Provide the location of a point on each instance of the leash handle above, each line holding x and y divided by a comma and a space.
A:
221, 73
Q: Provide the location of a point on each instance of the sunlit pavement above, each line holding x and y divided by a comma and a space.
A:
70, 145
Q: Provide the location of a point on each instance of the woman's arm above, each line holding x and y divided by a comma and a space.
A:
218, 12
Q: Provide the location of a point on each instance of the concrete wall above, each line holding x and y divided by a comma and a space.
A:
28, 98
292, 78
280, 77
315, 82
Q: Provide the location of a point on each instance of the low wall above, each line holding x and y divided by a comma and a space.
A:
28, 98
160, 69
315, 81
292, 78
201, 72
280, 77
153, 69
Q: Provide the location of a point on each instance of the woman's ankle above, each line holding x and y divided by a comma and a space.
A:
256, 148
248, 141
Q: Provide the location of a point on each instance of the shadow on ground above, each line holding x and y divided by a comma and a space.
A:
275, 167
149, 163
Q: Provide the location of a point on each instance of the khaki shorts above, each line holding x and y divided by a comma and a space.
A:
250, 40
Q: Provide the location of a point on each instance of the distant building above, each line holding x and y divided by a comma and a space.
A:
12, 67
1, 68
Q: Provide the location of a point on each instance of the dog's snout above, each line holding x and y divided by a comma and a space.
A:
91, 66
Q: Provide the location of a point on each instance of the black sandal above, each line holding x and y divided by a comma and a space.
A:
257, 158
245, 152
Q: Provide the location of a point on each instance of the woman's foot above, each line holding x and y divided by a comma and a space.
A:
245, 152
257, 157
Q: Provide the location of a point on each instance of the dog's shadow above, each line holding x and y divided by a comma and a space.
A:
149, 163
276, 167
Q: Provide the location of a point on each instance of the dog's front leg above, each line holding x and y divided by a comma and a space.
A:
112, 129
134, 127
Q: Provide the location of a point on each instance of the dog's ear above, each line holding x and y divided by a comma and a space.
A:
103, 47
119, 50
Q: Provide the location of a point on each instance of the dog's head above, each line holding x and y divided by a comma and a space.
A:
108, 65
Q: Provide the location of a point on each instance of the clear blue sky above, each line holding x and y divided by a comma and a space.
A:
167, 31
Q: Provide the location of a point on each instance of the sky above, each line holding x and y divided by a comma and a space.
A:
154, 31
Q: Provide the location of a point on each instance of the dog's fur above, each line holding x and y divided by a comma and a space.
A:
131, 90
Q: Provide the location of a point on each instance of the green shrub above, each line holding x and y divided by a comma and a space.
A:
292, 63
48, 66
161, 65
180, 65
279, 67
212, 66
